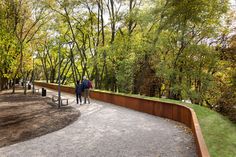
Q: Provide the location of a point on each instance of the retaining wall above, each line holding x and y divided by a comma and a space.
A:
172, 111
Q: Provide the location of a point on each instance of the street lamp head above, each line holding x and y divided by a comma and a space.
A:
70, 43
66, 44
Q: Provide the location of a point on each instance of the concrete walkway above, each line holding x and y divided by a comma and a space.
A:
106, 130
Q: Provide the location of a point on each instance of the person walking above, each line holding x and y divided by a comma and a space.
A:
78, 91
86, 86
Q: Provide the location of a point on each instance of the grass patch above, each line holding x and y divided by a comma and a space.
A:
219, 132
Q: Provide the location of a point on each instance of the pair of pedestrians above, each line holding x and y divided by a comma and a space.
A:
84, 87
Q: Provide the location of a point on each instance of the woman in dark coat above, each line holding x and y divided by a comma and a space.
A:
78, 91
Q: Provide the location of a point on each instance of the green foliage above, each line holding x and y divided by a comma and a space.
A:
159, 48
125, 76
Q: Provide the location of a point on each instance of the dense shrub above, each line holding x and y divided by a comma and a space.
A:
227, 104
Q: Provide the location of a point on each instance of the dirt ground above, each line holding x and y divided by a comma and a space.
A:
24, 117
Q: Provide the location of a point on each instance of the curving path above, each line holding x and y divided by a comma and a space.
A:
106, 130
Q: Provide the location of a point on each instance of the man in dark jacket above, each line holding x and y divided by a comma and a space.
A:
78, 91
86, 85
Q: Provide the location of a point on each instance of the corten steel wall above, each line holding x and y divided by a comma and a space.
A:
172, 111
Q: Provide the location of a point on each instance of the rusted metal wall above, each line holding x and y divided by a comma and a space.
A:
172, 111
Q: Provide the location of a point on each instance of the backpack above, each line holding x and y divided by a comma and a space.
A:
90, 84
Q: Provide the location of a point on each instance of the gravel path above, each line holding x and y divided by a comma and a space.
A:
106, 130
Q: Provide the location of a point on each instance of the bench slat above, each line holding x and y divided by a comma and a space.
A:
55, 99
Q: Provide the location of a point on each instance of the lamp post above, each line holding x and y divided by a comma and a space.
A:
34, 56
59, 67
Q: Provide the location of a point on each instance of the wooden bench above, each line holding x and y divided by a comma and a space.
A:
64, 101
